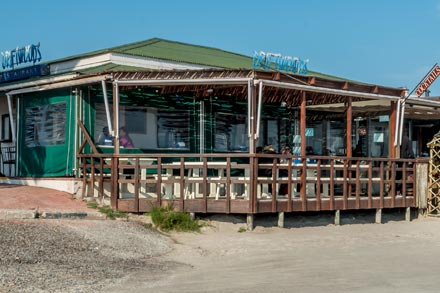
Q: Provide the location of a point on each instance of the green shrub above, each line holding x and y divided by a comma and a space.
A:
166, 219
92, 204
112, 214
242, 229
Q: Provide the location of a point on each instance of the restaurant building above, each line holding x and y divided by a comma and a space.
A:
198, 118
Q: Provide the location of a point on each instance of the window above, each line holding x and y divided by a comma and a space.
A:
6, 128
45, 125
173, 129
136, 119
230, 132
335, 138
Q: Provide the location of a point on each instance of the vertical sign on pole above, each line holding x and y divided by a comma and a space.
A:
421, 87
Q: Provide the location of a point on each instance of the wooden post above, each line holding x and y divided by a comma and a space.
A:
349, 123
408, 214
338, 217
421, 190
378, 216
115, 161
281, 219
303, 124
393, 130
253, 167
250, 222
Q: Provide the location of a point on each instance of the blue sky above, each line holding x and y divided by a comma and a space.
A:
391, 42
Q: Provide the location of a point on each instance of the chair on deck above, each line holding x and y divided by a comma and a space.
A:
8, 158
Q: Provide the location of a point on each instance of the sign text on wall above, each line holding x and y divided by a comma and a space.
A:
26, 72
278, 62
20, 55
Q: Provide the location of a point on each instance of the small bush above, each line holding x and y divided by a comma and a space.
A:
112, 214
92, 204
166, 219
242, 229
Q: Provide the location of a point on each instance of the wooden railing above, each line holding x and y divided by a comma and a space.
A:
243, 183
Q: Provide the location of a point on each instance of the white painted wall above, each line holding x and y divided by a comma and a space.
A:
120, 59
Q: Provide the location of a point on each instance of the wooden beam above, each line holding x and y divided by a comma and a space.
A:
302, 127
303, 123
393, 130
87, 137
349, 127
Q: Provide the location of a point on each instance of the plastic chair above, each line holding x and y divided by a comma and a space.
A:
8, 158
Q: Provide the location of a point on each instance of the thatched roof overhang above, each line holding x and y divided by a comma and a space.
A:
281, 90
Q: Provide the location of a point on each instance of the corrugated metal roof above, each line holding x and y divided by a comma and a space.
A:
178, 52
186, 53
110, 67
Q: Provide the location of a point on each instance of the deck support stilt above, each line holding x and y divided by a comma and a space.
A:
338, 217
421, 212
408, 214
378, 216
250, 222
281, 219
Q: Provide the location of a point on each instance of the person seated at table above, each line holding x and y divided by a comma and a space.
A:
286, 151
124, 139
310, 152
269, 149
105, 138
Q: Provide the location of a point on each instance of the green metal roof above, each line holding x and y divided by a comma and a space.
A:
178, 52
110, 67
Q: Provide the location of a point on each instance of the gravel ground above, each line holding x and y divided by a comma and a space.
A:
77, 256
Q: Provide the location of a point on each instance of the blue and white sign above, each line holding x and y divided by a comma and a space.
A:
278, 62
23, 73
21, 55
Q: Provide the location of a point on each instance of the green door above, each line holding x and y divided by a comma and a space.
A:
46, 134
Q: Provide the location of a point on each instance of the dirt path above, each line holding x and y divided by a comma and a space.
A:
394, 257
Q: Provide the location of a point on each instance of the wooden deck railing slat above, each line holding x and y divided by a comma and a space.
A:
338, 183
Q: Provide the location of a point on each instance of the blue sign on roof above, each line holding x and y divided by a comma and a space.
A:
278, 62
26, 72
18, 56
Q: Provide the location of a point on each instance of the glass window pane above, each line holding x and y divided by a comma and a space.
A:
173, 129
231, 132
336, 138
45, 125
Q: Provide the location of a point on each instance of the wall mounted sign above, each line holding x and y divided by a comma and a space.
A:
26, 72
18, 56
424, 85
278, 62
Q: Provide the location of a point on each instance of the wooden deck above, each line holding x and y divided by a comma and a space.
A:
247, 184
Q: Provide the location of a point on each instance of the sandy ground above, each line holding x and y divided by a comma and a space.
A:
310, 255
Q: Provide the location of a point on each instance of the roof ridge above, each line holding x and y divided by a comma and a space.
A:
204, 47
157, 40
137, 44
